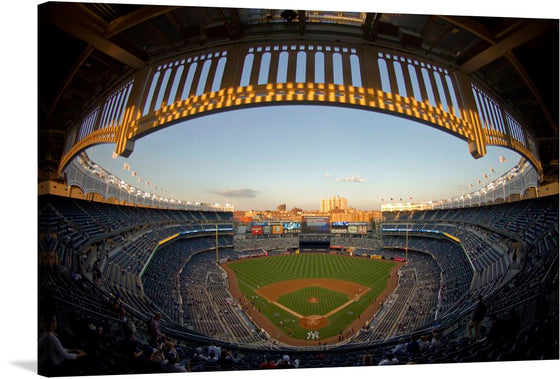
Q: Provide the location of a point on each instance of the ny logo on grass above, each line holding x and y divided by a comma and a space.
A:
313, 335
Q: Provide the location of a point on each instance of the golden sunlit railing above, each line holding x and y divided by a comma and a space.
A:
276, 73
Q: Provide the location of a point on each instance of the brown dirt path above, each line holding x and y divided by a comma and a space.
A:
263, 322
273, 291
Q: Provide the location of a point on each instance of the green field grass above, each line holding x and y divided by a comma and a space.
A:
298, 300
255, 273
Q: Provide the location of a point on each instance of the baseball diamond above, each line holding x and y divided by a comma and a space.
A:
290, 295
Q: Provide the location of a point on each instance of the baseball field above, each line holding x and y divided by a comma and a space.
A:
310, 297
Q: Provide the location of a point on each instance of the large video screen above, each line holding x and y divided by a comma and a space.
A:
315, 224
339, 227
291, 227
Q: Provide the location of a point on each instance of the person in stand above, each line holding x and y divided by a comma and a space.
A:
436, 340
401, 347
53, 358
198, 356
498, 330
129, 347
390, 360
286, 362
477, 317
215, 349
155, 334
170, 363
413, 347
424, 343
268, 362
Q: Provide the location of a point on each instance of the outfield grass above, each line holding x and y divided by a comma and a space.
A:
255, 273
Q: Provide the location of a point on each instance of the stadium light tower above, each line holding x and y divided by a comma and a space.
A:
406, 248
217, 255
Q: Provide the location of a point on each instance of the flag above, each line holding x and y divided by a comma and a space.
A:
147, 183
492, 170
126, 167
140, 179
382, 199
134, 173
485, 176
391, 199
410, 197
502, 159
470, 185
479, 181
114, 155
401, 199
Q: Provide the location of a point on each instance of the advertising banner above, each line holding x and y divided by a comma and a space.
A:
291, 227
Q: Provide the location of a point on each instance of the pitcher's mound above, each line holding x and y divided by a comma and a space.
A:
312, 300
313, 322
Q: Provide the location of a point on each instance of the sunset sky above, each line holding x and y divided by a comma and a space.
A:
258, 158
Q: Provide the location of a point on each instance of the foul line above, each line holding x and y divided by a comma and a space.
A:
347, 303
287, 309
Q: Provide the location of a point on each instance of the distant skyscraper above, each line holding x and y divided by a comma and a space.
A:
336, 202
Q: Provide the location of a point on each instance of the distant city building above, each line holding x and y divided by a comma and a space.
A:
354, 215
336, 202
281, 208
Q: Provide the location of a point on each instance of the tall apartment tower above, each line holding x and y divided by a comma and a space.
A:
335, 202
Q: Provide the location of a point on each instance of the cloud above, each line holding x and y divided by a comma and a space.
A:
354, 179
327, 175
243, 192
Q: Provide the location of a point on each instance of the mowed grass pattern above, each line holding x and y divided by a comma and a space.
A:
299, 300
255, 273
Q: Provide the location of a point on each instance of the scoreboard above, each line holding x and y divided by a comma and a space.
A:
315, 224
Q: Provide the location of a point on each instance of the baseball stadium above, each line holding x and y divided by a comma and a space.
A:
133, 279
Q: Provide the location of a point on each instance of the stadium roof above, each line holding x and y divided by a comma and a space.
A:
85, 50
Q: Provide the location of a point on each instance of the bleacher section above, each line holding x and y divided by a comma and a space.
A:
78, 222
161, 281
456, 272
487, 236
208, 306
106, 254
414, 302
